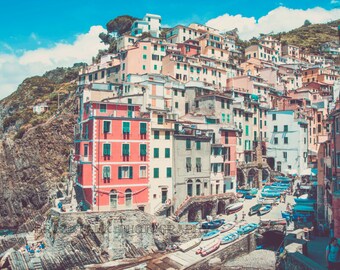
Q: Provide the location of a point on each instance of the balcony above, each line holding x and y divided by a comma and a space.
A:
83, 159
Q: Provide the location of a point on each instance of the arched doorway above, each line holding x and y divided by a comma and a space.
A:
198, 187
128, 197
240, 178
189, 187
221, 207
265, 174
251, 177
113, 199
192, 214
207, 209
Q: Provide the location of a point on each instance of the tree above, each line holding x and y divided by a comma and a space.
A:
120, 24
307, 23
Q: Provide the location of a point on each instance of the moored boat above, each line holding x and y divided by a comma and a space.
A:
211, 247
213, 224
267, 200
247, 228
265, 209
270, 194
233, 208
210, 235
190, 245
254, 209
231, 237
226, 227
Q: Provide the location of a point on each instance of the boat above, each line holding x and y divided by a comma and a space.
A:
280, 221
248, 196
247, 228
305, 212
267, 200
226, 227
304, 201
210, 235
239, 195
190, 245
265, 209
243, 191
211, 247
254, 209
231, 237
233, 208
285, 214
270, 194
213, 224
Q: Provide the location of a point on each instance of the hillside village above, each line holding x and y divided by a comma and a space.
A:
167, 119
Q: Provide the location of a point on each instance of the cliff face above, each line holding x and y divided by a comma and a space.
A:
34, 149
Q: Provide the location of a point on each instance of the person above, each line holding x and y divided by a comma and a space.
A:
331, 229
332, 254
243, 216
235, 217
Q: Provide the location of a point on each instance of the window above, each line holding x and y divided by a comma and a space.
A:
168, 172
188, 164
156, 173
226, 138
198, 145
156, 134
145, 47
285, 128
167, 135
160, 119
285, 140
285, 155
103, 108
156, 152
198, 164
155, 47
107, 127
144, 56
227, 169
273, 117
188, 144
255, 120
155, 67
167, 152
107, 149
247, 130
125, 149
142, 149
142, 128
178, 65
189, 187
176, 105
125, 172
144, 67
247, 117
126, 127
275, 128
106, 172
276, 140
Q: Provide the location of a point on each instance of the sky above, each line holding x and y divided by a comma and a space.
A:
39, 35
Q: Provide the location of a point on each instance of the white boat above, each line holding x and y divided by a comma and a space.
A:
226, 227
265, 209
233, 208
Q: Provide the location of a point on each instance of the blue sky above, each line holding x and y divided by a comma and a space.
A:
40, 35
33, 24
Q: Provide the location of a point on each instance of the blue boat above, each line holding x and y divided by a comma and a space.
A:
247, 228
231, 237
210, 235
248, 197
280, 184
265, 209
305, 201
285, 215
270, 194
306, 212
213, 224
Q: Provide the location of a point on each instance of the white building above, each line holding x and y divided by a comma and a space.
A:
40, 108
288, 140
151, 23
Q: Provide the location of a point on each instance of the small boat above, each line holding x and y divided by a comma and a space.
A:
226, 227
213, 224
210, 235
278, 184
247, 228
231, 237
243, 191
270, 194
285, 215
233, 208
280, 221
267, 200
254, 209
265, 209
248, 196
190, 245
211, 247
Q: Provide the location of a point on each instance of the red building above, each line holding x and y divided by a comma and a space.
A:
112, 150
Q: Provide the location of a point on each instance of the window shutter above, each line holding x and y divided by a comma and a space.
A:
130, 172
198, 145
126, 127
107, 149
156, 152
142, 128
142, 149
119, 172
126, 150
167, 152
107, 126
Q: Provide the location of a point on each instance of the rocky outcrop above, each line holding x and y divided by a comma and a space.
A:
31, 168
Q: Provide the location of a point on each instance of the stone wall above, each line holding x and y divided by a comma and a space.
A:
297, 261
238, 248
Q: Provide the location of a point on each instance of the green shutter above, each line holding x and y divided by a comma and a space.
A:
228, 118
167, 135
188, 144
223, 117
106, 172
107, 126
103, 108
156, 152
167, 152
247, 130
226, 138
156, 134
107, 149
155, 173
142, 149
168, 172
198, 145
142, 128
126, 127
126, 149
119, 172
130, 172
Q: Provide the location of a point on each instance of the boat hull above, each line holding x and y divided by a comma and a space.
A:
210, 249
229, 238
233, 208
210, 235
227, 227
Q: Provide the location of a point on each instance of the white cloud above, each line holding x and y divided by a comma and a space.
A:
14, 69
278, 20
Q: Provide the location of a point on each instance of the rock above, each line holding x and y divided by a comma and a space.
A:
215, 262
160, 244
